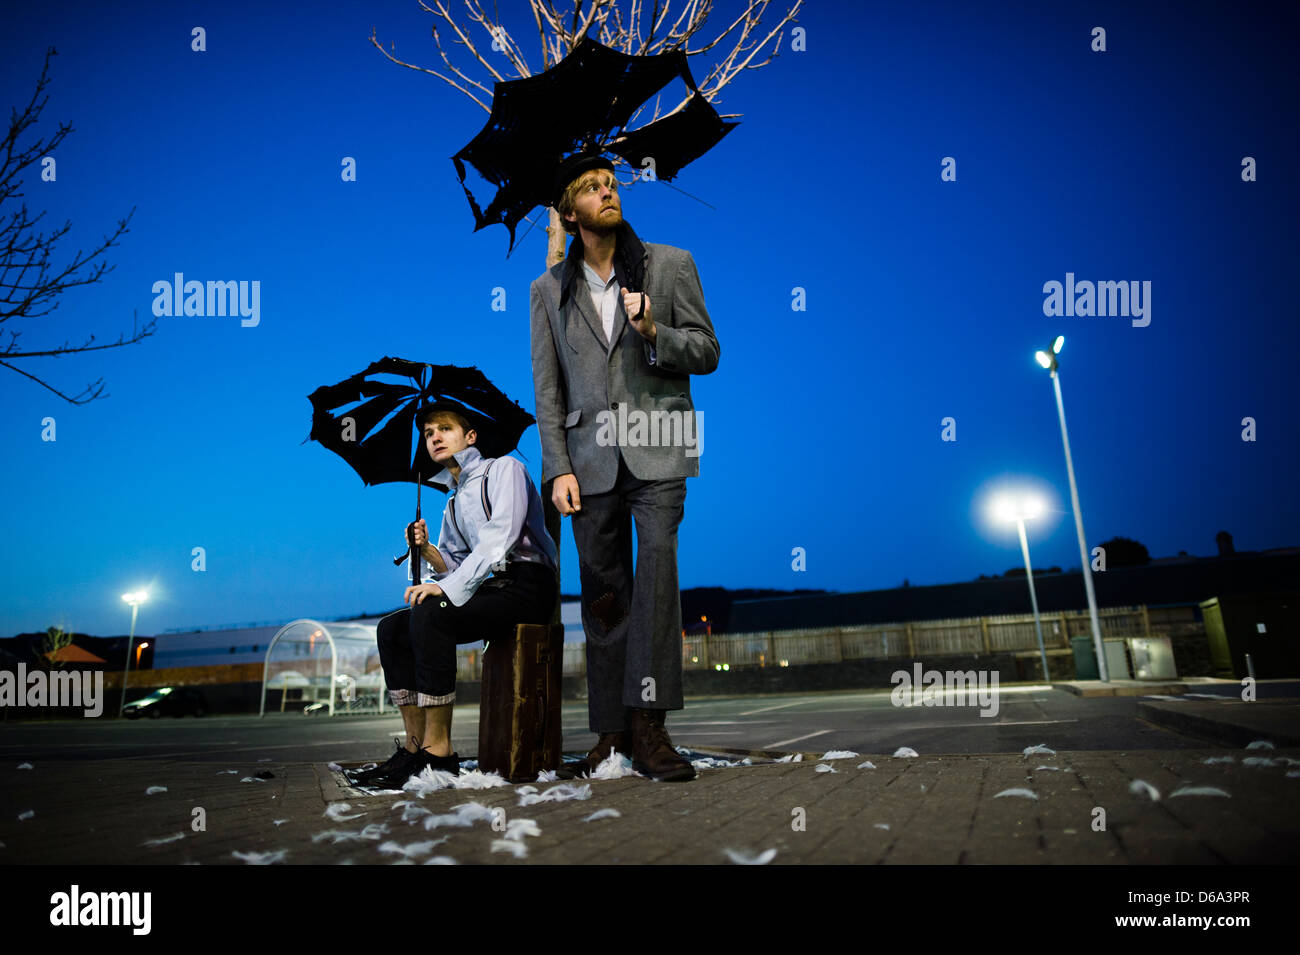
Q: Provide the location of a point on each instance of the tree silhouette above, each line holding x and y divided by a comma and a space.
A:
23, 250
1123, 552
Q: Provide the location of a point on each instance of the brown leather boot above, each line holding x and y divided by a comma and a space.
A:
608, 742
652, 749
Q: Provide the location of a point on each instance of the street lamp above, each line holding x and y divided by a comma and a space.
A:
134, 599
1048, 360
1021, 509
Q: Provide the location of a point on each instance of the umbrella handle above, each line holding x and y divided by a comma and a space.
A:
414, 555
410, 540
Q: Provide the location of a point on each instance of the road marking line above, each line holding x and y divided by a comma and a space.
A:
779, 706
782, 742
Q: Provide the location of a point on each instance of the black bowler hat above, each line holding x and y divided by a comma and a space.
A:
573, 167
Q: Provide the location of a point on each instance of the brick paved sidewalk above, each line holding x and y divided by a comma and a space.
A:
928, 809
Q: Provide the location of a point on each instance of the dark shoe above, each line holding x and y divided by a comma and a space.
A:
607, 743
652, 749
405, 765
383, 769
446, 764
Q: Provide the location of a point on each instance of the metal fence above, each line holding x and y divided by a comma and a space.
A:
1005, 633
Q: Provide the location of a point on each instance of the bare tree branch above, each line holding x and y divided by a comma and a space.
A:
639, 35
29, 288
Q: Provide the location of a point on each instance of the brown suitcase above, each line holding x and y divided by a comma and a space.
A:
519, 710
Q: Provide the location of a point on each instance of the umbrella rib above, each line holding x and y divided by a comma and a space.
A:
685, 193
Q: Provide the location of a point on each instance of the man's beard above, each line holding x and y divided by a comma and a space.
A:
599, 222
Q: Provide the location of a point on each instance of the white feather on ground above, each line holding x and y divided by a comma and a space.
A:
840, 754
227, 772
516, 829
823, 768
441, 860
905, 751
561, 793
261, 858
614, 766
1209, 760
26, 766
155, 790
792, 758
464, 816
745, 857
339, 812
1039, 750
603, 814
526, 790
27, 814
414, 850
712, 762
867, 765
1019, 791
1140, 787
881, 825
1199, 791
548, 776
412, 812
176, 837
1055, 769
1260, 744
371, 833
431, 780
518, 849
252, 779
278, 822
477, 779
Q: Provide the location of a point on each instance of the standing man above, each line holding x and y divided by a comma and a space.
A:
617, 329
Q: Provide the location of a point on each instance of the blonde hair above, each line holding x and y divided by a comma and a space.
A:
570, 197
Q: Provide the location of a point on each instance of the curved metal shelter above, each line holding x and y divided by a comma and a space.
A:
334, 663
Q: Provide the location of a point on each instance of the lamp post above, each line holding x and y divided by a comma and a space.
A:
1048, 360
1026, 508
134, 599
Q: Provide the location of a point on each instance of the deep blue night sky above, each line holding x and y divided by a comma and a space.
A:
822, 428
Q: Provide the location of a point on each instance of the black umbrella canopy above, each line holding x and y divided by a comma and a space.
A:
368, 419
581, 105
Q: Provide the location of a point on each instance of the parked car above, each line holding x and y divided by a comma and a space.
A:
167, 701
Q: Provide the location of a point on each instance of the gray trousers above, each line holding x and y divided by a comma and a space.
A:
633, 621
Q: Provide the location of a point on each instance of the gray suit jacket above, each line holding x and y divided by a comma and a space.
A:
577, 375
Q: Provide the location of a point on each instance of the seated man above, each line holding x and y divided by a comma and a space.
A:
495, 527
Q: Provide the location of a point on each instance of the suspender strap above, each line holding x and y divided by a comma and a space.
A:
487, 505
